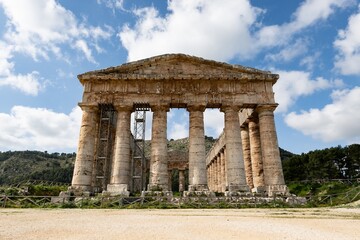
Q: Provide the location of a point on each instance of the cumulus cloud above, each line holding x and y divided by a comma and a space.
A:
39, 28
214, 122
217, 29
294, 84
113, 4
348, 46
39, 128
290, 52
307, 14
27, 83
338, 121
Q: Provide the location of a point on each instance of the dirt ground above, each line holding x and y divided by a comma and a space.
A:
318, 223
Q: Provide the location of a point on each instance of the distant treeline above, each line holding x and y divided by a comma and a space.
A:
19, 166
330, 163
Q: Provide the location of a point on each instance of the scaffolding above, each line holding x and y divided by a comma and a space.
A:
138, 163
106, 134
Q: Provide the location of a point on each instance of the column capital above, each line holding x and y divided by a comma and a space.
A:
227, 108
196, 108
160, 107
266, 108
124, 108
244, 126
88, 107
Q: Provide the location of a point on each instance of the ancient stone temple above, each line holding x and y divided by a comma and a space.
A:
245, 158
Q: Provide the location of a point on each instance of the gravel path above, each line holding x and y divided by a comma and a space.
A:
321, 223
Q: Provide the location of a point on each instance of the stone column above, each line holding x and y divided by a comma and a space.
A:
246, 153
197, 161
235, 163
121, 168
256, 155
212, 170
84, 162
169, 180
223, 172
158, 163
181, 180
273, 173
226, 175
218, 173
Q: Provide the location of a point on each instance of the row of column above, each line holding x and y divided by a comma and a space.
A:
217, 172
252, 152
121, 162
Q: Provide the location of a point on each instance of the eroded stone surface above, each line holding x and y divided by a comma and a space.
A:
182, 81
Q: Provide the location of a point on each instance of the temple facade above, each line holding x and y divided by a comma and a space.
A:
245, 158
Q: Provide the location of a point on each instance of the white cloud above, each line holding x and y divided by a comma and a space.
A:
310, 60
82, 46
28, 83
217, 29
178, 123
113, 4
290, 52
348, 46
214, 122
338, 121
307, 14
39, 128
294, 84
39, 28
178, 130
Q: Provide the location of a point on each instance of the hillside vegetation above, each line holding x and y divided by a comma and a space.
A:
331, 163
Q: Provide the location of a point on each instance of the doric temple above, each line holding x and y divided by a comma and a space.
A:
245, 158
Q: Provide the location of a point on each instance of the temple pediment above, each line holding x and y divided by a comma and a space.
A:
177, 67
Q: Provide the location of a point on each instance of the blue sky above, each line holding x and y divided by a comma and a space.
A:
313, 44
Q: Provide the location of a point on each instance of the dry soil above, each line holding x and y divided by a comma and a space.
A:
320, 223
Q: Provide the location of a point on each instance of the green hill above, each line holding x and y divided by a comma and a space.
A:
331, 163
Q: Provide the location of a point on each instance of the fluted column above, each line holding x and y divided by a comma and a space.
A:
235, 163
213, 177
256, 155
223, 172
169, 180
121, 168
86, 149
273, 173
181, 180
246, 153
158, 163
226, 175
218, 173
197, 161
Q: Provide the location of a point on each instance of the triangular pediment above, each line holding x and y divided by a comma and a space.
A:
178, 66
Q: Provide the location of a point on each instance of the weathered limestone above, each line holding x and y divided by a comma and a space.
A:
181, 180
158, 163
256, 156
169, 180
223, 171
180, 81
86, 149
273, 174
197, 163
234, 156
247, 156
120, 174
